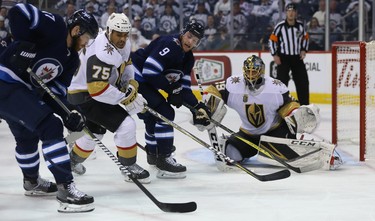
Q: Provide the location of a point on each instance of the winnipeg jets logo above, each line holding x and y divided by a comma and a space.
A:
109, 49
47, 73
46, 69
235, 80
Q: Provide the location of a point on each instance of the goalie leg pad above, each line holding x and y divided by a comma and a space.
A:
230, 151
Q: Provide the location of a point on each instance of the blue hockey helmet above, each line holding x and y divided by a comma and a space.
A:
85, 21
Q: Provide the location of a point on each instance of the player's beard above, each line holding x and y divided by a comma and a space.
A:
76, 43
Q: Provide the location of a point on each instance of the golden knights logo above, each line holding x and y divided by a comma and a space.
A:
109, 49
255, 114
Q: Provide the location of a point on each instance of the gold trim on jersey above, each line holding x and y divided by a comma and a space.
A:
288, 108
213, 90
97, 87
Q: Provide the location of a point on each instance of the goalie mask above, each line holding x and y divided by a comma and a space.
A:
253, 72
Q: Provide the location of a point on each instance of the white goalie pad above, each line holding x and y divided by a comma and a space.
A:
305, 119
313, 154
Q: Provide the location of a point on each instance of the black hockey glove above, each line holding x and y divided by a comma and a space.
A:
20, 59
75, 121
175, 95
201, 115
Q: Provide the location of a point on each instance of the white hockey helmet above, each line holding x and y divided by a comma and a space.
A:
118, 22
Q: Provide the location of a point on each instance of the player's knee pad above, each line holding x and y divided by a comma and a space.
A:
125, 133
86, 143
51, 128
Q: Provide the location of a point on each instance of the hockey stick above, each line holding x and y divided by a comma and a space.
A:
166, 207
262, 150
268, 177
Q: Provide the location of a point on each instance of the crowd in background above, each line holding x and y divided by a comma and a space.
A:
253, 20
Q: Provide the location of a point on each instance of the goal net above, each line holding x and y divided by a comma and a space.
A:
353, 92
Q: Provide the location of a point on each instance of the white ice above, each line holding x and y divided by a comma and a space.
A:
346, 194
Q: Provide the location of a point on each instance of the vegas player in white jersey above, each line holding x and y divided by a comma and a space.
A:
265, 107
105, 90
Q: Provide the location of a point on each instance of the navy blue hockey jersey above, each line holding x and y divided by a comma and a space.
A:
54, 63
163, 62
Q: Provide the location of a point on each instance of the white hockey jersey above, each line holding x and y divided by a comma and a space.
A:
258, 113
103, 72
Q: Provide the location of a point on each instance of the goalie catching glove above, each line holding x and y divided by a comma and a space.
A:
133, 102
216, 107
304, 120
201, 115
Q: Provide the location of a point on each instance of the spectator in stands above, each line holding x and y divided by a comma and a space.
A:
4, 34
316, 34
221, 41
90, 8
169, 21
320, 14
175, 7
201, 14
111, 8
70, 9
149, 23
137, 40
4, 13
137, 22
223, 6
335, 32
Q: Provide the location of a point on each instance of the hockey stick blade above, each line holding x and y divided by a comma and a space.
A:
282, 174
198, 140
167, 207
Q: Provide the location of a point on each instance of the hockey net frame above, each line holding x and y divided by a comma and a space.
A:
353, 92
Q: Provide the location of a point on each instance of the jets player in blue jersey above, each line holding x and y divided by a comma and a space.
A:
43, 42
166, 64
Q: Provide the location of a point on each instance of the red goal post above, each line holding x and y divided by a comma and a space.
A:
353, 92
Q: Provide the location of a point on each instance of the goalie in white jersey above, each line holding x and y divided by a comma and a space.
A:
265, 107
105, 90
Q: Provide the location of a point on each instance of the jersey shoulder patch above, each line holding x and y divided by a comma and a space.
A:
106, 52
274, 86
236, 84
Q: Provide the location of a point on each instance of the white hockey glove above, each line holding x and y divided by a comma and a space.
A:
133, 102
304, 120
137, 106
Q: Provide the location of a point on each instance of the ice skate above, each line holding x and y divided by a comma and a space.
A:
151, 158
142, 175
73, 200
39, 187
169, 168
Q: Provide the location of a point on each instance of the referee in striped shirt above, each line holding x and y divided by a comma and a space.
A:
288, 44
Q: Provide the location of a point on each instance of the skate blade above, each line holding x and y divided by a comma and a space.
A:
144, 180
34, 193
74, 208
169, 175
